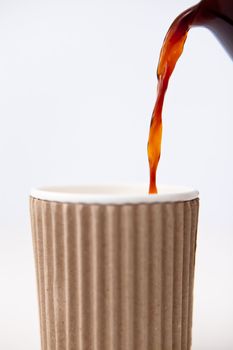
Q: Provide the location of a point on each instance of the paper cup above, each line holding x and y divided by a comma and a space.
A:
115, 267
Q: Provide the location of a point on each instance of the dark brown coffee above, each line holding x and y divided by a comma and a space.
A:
217, 15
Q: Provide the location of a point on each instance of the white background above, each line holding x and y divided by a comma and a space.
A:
77, 88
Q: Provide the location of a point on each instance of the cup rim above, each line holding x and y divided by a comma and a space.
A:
113, 194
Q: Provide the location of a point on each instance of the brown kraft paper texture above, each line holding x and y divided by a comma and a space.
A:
115, 277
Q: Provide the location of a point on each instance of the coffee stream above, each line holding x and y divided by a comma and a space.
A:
171, 51
217, 15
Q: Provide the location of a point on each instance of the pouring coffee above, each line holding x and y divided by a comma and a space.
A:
217, 16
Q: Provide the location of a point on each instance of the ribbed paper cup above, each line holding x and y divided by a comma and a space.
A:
115, 267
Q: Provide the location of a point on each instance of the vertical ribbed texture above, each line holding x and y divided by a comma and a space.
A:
115, 277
